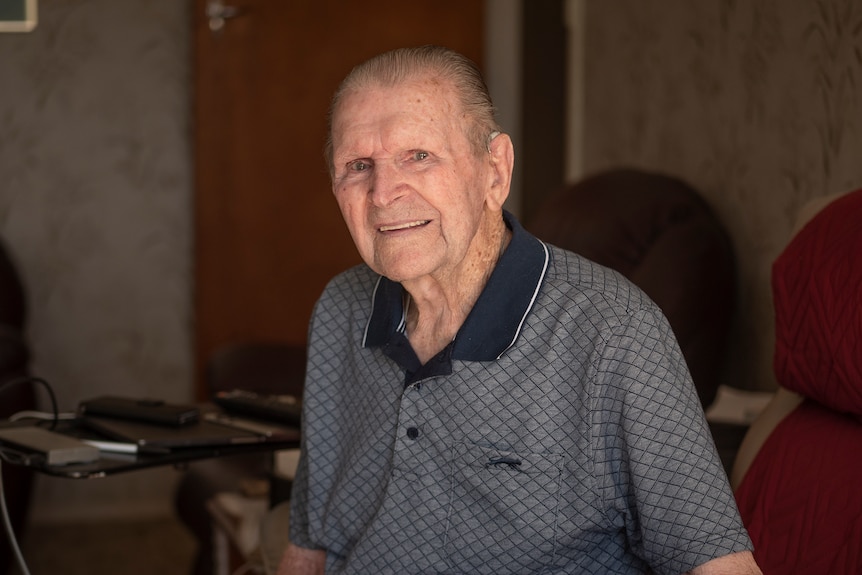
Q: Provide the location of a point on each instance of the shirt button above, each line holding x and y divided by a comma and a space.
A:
412, 432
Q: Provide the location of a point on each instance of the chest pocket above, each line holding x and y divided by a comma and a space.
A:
503, 511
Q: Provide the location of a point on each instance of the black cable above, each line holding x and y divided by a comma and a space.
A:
7, 523
45, 384
11, 457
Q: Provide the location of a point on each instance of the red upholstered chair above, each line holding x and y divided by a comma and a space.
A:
660, 233
799, 469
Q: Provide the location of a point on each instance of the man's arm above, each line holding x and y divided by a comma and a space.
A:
301, 561
734, 564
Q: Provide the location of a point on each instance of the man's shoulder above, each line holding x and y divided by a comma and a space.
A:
358, 278
571, 275
352, 285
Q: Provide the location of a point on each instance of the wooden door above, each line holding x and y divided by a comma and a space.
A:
268, 233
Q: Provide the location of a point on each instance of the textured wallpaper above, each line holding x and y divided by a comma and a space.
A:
757, 103
95, 192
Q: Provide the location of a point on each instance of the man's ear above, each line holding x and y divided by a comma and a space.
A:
501, 153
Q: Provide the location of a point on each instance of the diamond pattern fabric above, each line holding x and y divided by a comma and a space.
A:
582, 449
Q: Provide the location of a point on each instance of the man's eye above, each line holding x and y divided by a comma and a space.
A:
419, 155
358, 166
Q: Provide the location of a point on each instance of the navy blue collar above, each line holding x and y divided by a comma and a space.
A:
492, 326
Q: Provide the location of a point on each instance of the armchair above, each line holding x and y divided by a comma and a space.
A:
798, 472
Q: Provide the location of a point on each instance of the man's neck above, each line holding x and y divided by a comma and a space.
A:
438, 307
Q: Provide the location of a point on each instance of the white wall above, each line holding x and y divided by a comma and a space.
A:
503, 44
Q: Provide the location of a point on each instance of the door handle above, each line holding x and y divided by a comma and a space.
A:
218, 12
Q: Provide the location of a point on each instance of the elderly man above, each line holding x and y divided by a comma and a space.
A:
478, 401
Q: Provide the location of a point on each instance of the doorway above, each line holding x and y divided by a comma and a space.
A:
268, 234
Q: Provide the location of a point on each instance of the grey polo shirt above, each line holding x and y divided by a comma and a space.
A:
558, 433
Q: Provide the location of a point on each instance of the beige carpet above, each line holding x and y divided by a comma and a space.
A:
160, 546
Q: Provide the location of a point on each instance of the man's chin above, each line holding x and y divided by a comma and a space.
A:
404, 272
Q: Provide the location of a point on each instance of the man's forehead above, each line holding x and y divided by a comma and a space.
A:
395, 112
417, 96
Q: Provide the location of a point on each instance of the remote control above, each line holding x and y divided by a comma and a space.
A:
153, 411
278, 408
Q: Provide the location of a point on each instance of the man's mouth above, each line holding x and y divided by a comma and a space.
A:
404, 226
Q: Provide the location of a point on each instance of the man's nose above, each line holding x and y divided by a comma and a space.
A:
387, 184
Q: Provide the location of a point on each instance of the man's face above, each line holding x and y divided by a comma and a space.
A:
409, 184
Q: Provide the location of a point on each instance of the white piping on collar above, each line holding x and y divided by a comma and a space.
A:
405, 305
532, 299
371, 315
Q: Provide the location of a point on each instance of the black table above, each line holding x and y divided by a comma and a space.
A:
110, 463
